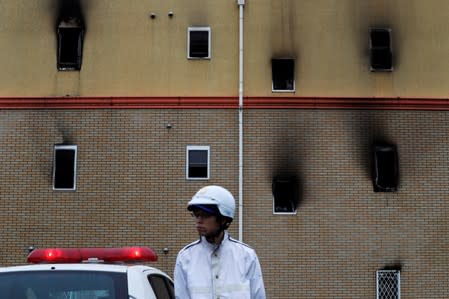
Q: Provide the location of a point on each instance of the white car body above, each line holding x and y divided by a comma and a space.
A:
78, 281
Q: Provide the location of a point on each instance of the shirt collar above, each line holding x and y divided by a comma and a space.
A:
214, 247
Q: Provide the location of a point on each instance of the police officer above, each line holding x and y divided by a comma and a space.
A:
216, 265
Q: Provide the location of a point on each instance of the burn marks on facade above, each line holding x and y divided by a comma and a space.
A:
385, 169
380, 50
64, 167
285, 194
283, 74
286, 170
70, 30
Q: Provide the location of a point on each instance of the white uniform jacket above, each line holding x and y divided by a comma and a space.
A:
229, 270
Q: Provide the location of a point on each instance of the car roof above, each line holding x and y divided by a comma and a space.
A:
119, 268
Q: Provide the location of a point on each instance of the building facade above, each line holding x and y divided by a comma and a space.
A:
327, 120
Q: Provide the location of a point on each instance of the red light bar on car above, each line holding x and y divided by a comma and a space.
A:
78, 255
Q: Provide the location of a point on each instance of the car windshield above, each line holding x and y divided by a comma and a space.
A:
63, 285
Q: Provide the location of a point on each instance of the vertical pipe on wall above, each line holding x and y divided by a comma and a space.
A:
241, 4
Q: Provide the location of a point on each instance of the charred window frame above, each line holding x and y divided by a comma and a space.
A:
70, 44
64, 167
199, 43
283, 74
285, 195
388, 284
385, 168
198, 162
381, 57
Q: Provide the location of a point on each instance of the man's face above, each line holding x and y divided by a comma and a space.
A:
206, 224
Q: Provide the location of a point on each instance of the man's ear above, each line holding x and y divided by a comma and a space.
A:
226, 223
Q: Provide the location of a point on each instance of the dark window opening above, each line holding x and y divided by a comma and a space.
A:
285, 194
380, 47
386, 169
283, 74
199, 44
70, 44
64, 172
162, 287
198, 164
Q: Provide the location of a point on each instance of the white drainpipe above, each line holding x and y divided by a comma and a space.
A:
241, 4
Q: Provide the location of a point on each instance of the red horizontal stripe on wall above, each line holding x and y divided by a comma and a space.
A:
117, 102
372, 103
274, 102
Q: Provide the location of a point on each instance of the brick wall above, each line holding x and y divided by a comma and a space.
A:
131, 190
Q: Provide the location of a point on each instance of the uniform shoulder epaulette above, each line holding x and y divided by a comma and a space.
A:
191, 244
239, 242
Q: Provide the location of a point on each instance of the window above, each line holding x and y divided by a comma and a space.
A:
285, 195
198, 162
198, 41
63, 284
380, 48
283, 74
385, 168
388, 284
64, 167
70, 44
162, 287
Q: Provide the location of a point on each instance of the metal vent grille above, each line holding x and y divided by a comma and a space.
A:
388, 284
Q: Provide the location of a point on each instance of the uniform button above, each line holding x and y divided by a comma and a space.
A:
216, 276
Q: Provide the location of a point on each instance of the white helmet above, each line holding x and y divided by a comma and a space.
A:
217, 196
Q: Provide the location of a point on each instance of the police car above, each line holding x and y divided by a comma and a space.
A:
86, 273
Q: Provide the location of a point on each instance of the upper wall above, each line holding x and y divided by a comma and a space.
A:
330, 41
127, 53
